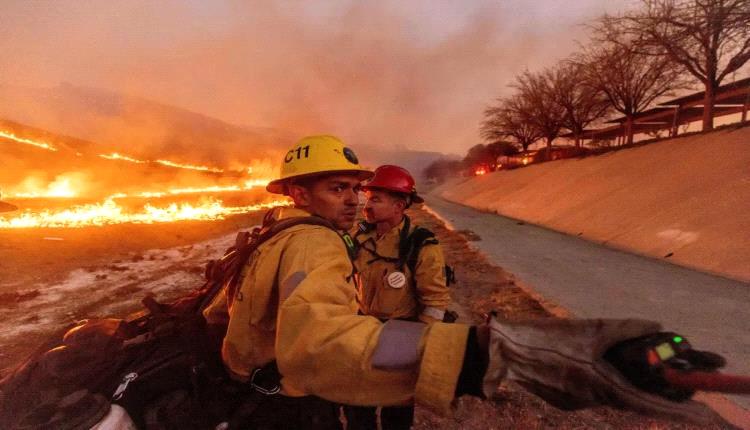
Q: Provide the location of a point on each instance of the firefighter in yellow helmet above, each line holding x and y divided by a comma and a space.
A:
295, 316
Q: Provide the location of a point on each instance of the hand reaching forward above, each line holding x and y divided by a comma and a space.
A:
561, 361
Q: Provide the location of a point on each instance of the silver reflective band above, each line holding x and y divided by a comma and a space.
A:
398, 345
126, 380
263, 390
436, 313
291, 283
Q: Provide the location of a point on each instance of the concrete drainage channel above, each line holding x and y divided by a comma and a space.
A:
590, 280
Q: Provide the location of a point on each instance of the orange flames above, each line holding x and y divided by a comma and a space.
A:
253, 183
189, 166
62, 188
119, 157
50, 211
31, 188
109, 212
116, 156
8, 135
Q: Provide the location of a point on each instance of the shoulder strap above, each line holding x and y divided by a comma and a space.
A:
270, 229
412, 242
363, 227
277, 226
417, 240
240, 255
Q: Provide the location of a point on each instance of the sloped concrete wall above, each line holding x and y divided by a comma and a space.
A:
688, 198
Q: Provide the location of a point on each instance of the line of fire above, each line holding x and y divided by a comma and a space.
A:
79, 187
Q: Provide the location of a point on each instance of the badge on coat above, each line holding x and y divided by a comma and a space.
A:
396, 280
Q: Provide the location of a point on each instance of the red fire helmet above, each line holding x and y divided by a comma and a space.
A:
393, 178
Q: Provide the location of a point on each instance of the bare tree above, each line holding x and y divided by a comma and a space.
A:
629, 80
710, 39
502, 148
504, 120
538, 106
582, 103
479, 155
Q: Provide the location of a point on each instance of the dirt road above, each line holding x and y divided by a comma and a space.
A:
591, 280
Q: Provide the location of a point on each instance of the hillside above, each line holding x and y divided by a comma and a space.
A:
685, 199
37, 161
414, 161
147, 128
91, 120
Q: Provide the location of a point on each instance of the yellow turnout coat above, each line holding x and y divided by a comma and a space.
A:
296, 304
385, 294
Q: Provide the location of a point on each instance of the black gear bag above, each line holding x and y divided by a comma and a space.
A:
161, 364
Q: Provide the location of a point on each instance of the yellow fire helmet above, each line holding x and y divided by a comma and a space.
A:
314, 155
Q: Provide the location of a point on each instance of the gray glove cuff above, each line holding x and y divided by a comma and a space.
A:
562, 361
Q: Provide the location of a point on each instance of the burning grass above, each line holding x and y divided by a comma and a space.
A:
11, 136
103, 180
132, 191
110, 212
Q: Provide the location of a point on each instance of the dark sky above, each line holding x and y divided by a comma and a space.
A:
407, 73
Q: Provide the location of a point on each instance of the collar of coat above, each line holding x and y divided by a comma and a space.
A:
285, 212
385, 245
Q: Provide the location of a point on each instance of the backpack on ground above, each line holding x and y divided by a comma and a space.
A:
162, 364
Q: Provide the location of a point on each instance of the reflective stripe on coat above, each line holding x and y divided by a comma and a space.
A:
322, 347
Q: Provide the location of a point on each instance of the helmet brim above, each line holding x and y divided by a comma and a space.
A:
278, 186
415, 198
7, 207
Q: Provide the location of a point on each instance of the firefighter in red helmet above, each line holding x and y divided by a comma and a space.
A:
402, 272
401, 279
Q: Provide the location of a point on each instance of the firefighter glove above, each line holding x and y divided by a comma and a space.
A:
561, 361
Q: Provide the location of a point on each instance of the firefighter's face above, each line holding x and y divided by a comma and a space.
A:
382, 206
334, 198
